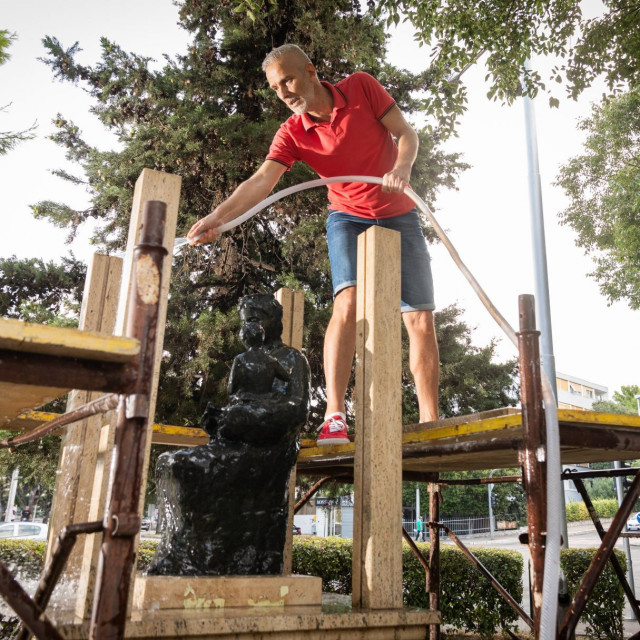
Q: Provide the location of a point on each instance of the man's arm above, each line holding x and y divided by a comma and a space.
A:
247, 195
398, 178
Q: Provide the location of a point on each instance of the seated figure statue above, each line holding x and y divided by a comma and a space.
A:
226, 502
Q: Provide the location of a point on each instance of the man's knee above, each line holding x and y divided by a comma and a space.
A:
419, 323
344, 304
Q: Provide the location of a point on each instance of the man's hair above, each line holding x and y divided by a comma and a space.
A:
278, 52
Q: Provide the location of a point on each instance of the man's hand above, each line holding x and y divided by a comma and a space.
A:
204, 230
396, 180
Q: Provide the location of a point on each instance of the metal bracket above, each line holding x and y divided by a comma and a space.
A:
125, 524
136, 406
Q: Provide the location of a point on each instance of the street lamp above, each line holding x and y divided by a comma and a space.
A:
489, 490
637, 397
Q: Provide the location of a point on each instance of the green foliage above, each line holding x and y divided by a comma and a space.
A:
603, 612
146, 550
6, 38
327, 558
35, 291
470, 381
38, 465
9, 139
504, 34
473, 500
605, 508
23, 557
603, 187
467, 603
626, 397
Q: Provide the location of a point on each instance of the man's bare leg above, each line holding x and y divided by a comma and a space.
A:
424, 361
339, 349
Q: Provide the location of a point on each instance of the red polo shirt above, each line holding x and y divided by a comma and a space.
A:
353, 142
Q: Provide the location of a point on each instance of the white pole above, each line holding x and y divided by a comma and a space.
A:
543, 306
12, 494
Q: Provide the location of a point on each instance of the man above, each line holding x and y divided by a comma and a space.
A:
348, 129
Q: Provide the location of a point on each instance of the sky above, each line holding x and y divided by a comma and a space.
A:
487, 218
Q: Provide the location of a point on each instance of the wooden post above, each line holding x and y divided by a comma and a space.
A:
292, 331
80, 450
151, 185
377, 543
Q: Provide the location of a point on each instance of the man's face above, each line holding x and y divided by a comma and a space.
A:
292, 80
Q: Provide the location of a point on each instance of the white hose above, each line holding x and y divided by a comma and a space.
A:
549, 607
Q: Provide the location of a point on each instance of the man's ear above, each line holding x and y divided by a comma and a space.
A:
311, 70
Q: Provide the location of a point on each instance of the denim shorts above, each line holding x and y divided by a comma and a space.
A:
343, 230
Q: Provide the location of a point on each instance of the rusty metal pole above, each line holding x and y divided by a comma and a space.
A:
122, 521
533, 452
433, 579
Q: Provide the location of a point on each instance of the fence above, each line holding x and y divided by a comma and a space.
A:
467, 526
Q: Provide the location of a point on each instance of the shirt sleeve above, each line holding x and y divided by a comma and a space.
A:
282, 148
376, 95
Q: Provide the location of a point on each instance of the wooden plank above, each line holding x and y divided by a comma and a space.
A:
221, 592
377, 552
178, 436
26, 337
292, 328
151, 185
16, 399
79, 448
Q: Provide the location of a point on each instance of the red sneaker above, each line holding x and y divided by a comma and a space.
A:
333, 430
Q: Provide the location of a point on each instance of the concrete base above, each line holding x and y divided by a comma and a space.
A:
272, 623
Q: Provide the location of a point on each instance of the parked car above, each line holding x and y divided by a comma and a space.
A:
632, 523
297, 531
24, 530
145, 524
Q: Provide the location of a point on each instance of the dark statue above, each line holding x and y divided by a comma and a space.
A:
226, 502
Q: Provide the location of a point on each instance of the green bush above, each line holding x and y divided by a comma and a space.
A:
605, 508
145, 553
468, 600
24, 557
603, 613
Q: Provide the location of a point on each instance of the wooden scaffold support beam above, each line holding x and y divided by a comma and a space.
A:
377, 548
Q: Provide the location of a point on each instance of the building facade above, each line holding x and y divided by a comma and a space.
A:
579, 394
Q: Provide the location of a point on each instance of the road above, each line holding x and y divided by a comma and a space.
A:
581, 535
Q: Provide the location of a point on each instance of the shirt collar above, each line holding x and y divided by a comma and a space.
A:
339, 101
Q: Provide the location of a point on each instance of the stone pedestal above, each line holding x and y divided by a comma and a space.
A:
152, 593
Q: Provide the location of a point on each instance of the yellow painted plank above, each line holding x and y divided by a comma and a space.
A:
26, 337
18, 398
597, 418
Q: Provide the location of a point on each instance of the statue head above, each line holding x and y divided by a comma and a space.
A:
264, 309
252, 334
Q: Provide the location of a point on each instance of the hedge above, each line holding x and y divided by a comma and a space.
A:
605, 508
468, 600
603, 613
469, 603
